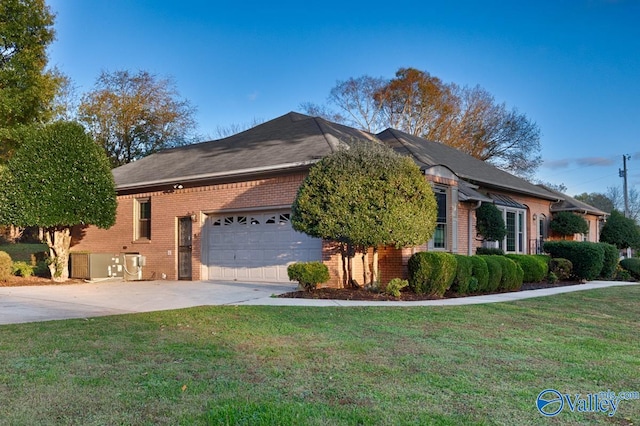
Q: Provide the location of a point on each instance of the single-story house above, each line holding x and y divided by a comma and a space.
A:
221, 209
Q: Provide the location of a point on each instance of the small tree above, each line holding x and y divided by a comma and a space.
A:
364, 197
620, 231
567, 223
489, 223
57, 179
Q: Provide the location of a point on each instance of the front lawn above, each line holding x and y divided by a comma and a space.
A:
481, 364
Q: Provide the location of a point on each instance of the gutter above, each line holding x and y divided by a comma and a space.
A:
208, 176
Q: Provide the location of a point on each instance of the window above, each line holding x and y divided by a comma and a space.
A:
440, 234
514, 219
143, 219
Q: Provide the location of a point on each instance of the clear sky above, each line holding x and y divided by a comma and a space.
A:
572, 66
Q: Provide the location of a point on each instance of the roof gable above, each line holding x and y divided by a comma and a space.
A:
287, 141
428, 153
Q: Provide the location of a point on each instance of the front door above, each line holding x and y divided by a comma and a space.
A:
184, 248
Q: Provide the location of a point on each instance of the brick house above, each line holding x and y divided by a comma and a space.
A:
221, 209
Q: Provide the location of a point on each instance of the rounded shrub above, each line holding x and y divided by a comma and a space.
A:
6, 266
431, 273
308, 274
610, 261
587, 258
495, 272
534, 267
512, 274
631, 265
464, 274
560, 268
479, 272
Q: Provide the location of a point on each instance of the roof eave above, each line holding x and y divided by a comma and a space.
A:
288, 167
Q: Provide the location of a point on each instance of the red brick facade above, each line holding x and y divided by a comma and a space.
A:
169, 205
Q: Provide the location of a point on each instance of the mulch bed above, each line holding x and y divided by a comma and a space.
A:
405, 294
15, 281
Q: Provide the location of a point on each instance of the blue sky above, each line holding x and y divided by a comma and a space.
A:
572, 66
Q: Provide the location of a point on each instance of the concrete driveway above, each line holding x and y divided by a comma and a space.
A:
44, 303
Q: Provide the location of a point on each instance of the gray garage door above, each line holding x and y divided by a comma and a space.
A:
256, 246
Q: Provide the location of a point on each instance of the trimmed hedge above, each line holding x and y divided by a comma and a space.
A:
489, 251
464, 274
535, 268
6, 266
308, 274
587, 258
610, 261
431, 273
511, 274
632, 265
495, 273
479, 272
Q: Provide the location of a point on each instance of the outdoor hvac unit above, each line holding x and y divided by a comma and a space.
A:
91, 266
133, 263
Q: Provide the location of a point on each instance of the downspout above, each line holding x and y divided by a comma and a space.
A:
470, 231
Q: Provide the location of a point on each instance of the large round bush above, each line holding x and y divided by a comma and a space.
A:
431, 273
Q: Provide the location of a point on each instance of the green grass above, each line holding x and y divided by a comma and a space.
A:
479, 365
23, 251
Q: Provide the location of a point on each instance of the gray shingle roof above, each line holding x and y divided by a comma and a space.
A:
465, 166
571, 204
292, 140
295, 141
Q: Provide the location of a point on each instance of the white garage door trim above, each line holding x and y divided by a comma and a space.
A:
256, 246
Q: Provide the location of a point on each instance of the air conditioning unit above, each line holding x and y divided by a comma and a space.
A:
133, 263
92, 266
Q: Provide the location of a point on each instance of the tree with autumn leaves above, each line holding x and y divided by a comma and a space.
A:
418, 103
132, 115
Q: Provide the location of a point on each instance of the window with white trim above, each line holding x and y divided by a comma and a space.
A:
514, 220
439, 241
142, 226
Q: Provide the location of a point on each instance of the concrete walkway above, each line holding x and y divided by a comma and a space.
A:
45, 303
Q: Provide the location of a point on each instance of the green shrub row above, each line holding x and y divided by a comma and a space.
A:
20, 267
589, 260
431, 273
434, 273
535, 268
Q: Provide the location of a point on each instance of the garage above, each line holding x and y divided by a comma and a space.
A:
256, 246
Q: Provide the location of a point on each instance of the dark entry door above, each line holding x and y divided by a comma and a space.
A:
184, 248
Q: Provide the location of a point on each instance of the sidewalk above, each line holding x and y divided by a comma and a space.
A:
46, 303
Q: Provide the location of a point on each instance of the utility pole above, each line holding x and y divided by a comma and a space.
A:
623, 174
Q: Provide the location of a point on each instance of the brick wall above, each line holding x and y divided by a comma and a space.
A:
167, 206
277, 192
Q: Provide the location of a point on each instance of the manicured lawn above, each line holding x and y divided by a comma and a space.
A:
23, 251
481, 364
